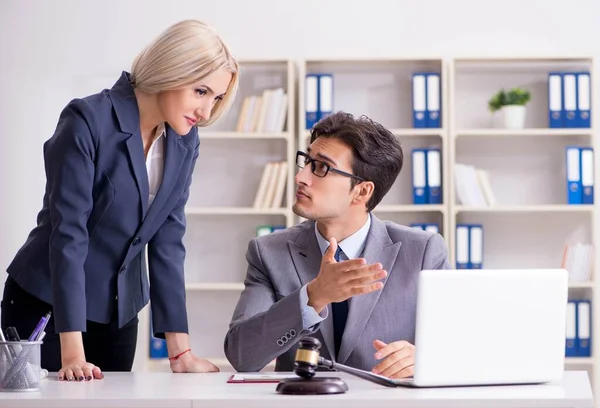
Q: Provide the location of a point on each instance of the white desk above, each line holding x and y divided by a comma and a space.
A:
164, 390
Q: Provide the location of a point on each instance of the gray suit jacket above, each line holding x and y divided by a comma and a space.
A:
267, 321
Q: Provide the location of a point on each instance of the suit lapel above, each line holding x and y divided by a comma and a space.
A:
138, 163
126, 110
306, 256
378, 248
175, 153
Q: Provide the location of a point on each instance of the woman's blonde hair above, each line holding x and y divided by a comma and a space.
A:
183, 55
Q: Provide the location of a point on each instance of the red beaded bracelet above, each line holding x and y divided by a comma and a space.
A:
179, 355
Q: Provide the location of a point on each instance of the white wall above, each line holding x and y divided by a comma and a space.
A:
45, 45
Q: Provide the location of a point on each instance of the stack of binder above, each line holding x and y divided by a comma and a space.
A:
318, 99
579, 329
427, 176
469, 246
432, 227
267, 229
158, 347
569, 100
426, 100
580, 175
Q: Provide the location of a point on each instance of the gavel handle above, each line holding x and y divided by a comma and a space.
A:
365, 375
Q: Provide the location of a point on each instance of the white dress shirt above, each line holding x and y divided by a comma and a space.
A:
155, 162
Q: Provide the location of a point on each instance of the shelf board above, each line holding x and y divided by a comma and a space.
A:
581, 285
525, 208
243, 135
409, 132
418, 132
235, 211
410, 208
551, 132
373, 59
579, 360
217, 286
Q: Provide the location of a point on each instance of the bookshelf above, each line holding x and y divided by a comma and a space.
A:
222, 213
382, 90
528, 226
531, 220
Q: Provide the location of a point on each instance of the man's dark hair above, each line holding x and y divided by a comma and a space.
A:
377, 154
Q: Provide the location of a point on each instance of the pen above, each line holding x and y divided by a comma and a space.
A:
12, 334
41, 332
6, 348
40, 327
37, 329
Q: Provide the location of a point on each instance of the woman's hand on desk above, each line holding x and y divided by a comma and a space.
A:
398, 359
79, 370
181, 358
189, 363
74, 365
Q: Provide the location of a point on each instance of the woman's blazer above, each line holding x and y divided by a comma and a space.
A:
86, 255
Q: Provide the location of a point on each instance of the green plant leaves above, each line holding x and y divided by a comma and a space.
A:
515, 96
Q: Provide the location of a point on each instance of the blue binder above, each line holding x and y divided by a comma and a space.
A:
432, 227
325, 97
311, 100
419, 176
555, 100
475, 246
419, 100
573, 175
570, 99
583, 119
586, 161
158, 347
463, 246
434, 176
433, 100
571, 330
584, 328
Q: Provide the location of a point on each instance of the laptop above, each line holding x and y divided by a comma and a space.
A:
489, 327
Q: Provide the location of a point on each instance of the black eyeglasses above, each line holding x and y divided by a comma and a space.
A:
320, 168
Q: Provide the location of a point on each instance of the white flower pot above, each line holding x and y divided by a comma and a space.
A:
512, 116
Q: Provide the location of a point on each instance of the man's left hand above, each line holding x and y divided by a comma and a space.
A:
398, 359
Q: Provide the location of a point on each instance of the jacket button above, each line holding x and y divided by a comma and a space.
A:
122, 269
136, 241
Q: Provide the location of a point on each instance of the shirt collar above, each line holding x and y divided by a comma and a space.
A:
351, 246
160, 130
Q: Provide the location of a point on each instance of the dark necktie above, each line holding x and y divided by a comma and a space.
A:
340, 313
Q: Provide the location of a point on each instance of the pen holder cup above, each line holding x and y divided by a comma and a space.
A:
20, 369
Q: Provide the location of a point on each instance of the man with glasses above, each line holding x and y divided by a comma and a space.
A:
343, 276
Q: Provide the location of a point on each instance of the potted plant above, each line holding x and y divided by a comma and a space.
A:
511, 105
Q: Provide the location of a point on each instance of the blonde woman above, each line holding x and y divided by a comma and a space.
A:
119, 168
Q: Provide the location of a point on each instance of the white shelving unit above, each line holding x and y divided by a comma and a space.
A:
528, 228
382, 90
220, 215
532, 220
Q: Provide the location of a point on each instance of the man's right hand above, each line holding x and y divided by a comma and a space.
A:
338, 281
74, 365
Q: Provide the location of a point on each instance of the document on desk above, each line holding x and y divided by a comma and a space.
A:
259, 378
